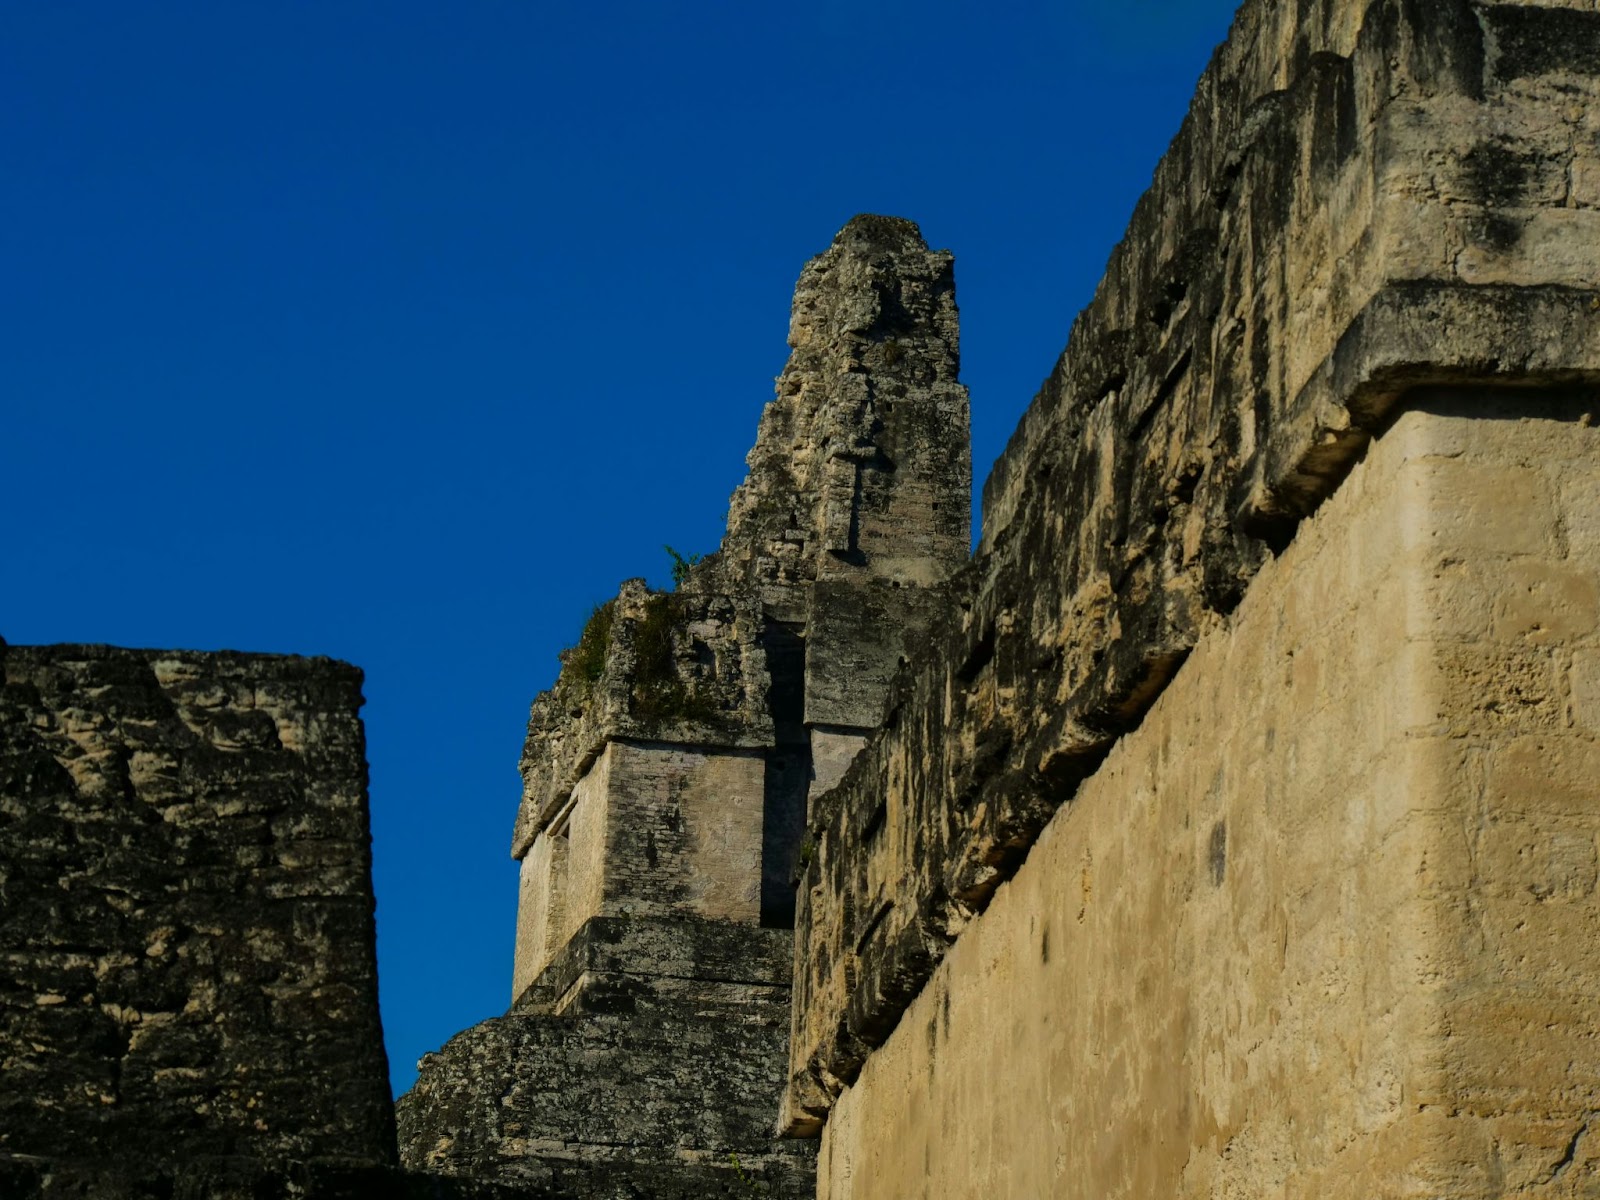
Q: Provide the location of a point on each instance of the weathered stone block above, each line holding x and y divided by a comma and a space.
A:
858, 634
187, 921
720, 962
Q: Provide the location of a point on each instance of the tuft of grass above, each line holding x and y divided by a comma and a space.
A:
750, 1185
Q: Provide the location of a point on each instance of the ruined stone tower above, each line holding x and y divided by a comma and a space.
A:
667, 773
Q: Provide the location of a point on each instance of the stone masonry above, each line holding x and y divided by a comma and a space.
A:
189, 996
1377, 216
1323, 925
1225, 827
668, 772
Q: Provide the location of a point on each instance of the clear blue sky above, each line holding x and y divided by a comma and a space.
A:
404, 332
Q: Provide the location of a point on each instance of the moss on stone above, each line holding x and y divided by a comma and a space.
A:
587, 660
659, 690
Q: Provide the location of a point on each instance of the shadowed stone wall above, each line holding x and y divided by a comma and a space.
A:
186, 919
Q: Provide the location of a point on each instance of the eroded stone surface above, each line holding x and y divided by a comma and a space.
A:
186, 919
644, 1061
861, 465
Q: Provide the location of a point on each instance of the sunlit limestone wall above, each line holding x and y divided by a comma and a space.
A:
562, 877
1366, 199
1324, 925
651, 831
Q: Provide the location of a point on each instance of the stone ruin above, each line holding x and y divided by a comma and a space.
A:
189, 1003
669, 772
1226, 826
668, 776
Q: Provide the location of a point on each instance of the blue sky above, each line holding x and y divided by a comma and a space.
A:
404, 332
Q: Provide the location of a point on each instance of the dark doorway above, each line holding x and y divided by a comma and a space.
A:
788, 772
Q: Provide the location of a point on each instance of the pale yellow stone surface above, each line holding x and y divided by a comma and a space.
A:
541, 901
562, 881
832, 752
1326, 925
652, 829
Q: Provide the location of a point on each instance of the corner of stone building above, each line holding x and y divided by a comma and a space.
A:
1330, 779
179, 826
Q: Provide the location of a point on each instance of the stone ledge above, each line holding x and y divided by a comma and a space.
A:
650, 951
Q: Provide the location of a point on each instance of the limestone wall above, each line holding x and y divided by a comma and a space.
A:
1366, 199
1323, 926
189, 983
684, 829
653, 830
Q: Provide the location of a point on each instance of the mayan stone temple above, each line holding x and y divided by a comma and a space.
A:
668, 774
1227, 825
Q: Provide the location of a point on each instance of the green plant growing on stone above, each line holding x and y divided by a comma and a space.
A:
659, 690
754, 1188
681, 565
587, 660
